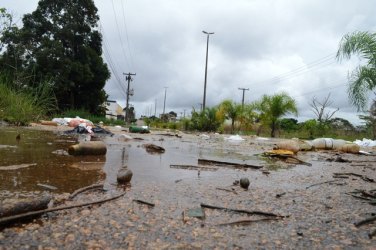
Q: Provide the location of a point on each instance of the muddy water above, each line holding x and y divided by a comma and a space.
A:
48, 170
52, 170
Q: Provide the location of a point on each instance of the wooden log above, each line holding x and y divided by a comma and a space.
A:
88, 148
24, 205
19, 217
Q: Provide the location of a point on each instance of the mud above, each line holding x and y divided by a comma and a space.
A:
314, 216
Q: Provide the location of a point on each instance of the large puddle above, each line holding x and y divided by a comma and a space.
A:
38, 162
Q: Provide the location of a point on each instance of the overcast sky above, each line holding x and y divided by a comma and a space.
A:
267, 46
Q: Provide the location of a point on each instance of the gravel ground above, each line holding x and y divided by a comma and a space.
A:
312, 216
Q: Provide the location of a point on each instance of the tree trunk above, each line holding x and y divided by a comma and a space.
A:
273, 130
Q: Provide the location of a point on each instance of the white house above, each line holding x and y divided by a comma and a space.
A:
114, 110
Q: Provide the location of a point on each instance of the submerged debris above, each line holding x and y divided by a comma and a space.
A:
151, 148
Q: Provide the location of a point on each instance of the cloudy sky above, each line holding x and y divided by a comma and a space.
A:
267, 46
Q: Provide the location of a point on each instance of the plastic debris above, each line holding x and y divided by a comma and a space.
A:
234, 138
88, 148
365, 143
290, 145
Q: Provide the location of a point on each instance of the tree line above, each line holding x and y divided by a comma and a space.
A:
59, 44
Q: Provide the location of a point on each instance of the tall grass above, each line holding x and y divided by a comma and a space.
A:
20, 106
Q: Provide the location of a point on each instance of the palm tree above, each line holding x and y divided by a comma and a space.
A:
363, 78
230, 110
273, 107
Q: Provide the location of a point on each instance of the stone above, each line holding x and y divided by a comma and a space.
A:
244, 182
124, 176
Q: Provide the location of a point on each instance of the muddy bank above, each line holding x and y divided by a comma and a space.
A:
316, 207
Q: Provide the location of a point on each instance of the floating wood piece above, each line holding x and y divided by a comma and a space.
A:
16, 218
246, 222
363, 177
152, 149
46, 186
320, 183
191, 167
23, 206
223, 163
144, 202
241, 211
84, 189
16, 167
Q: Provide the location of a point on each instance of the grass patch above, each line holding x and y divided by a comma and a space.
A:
22, 106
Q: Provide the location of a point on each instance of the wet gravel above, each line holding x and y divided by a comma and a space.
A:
315, 217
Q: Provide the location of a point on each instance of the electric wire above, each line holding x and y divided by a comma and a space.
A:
111, 64
119, 34
127, 37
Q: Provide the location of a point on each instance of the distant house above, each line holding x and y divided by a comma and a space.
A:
114, 110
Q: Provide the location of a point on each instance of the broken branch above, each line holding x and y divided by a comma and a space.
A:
365, 221
144, 202
246, 222
227, 190
84, 189
320, 183
363, 177
241, 211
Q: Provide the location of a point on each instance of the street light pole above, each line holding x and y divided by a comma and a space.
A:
164, 103
206, 66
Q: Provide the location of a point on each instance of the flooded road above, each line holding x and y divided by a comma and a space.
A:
316, 207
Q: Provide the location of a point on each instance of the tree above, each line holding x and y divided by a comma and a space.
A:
6, 23
319, 107
206, 120
230, 110
60, 42
363, 78
370, 120
288, 124
273, 107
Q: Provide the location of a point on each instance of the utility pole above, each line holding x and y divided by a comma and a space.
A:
155, 108
128, 78
243, 89
206, 66
164, 103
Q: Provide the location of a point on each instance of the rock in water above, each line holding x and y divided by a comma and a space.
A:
244, 183
124, 176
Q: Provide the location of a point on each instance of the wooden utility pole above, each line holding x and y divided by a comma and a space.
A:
128, 78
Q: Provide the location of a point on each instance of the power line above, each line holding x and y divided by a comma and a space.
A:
109, 60
119, 34
319, 63
126, 34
